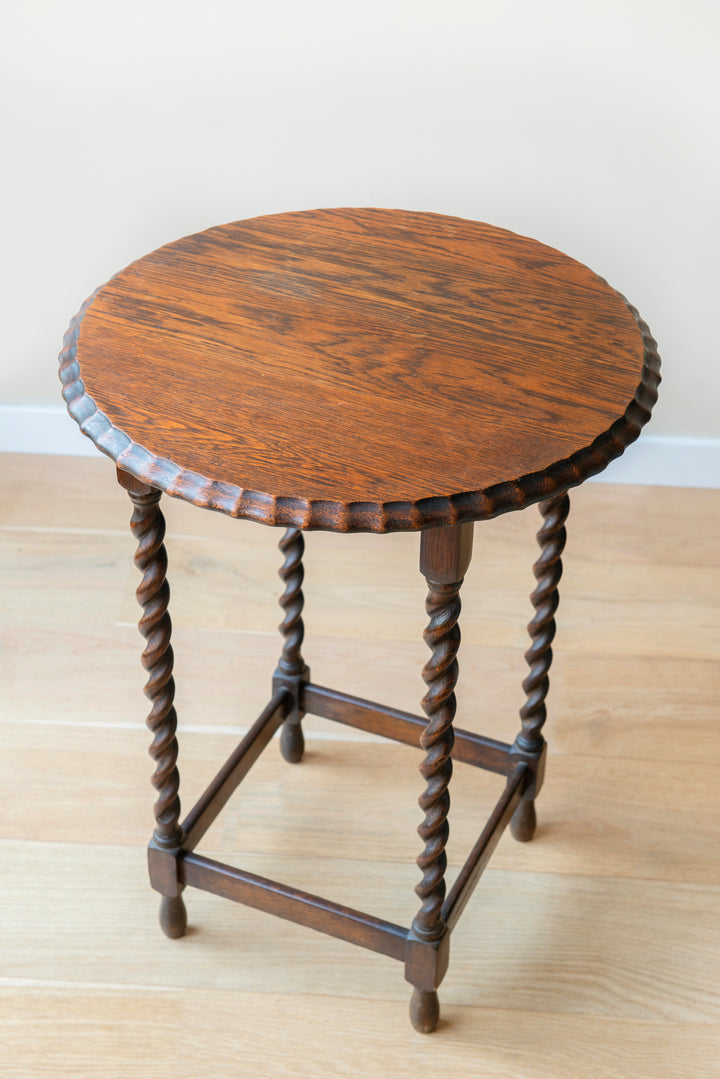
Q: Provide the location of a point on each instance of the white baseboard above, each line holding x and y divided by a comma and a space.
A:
656, 460
667, 461
42, 429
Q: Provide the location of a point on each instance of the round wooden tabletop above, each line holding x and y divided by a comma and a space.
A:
359, 370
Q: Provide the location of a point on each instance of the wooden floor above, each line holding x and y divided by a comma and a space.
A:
592, 952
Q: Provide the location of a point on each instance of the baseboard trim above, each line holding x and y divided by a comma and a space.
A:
667, 461
656, 460
42, 429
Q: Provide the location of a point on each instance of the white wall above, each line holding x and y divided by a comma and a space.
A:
591, 125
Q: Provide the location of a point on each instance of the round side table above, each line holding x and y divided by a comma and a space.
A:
357, 370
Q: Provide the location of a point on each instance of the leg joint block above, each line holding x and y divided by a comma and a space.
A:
535, 760
164, 869
293, 683
426, 961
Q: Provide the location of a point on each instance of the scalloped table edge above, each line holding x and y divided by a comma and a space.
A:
335, 516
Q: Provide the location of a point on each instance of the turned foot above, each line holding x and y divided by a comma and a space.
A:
173, 916
524, 821
424, 1010
292, 742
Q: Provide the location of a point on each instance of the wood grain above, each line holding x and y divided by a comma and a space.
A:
599, 940
295, 369
626, 817
571, 958
141, 1034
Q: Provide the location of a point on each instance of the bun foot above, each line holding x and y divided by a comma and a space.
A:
424, 1010
292, 742
524, 821
173, 916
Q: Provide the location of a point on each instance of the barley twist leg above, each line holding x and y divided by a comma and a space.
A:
440, 675
291, 670
545, 598
148, 527
445, 554
442, 636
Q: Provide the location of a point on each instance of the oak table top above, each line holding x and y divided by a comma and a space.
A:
359, 370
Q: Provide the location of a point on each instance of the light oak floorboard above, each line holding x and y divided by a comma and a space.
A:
635, 707
593, 951
527, 942
631, 818
135, 1034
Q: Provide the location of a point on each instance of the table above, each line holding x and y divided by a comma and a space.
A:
357, 370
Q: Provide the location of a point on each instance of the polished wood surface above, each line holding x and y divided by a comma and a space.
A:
530, 745
545, 977
291, 672
359, 370
468, 747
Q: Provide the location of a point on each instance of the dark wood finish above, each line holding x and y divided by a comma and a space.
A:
153, 594
173, 916
294, 905
468, 748
291, 573
524, 821
424, 1010
446, 552
545, 599
291, 670
426, 962
445, 555
265, 368
440, 675
479, 857
440, 560
530, 744
237, 766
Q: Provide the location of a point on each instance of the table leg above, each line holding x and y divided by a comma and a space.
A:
148, 527
548, 571
444, 557
291, 671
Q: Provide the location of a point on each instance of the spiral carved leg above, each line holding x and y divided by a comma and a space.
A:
148, 527
440, 675
445, 555
291, 670
548, 571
